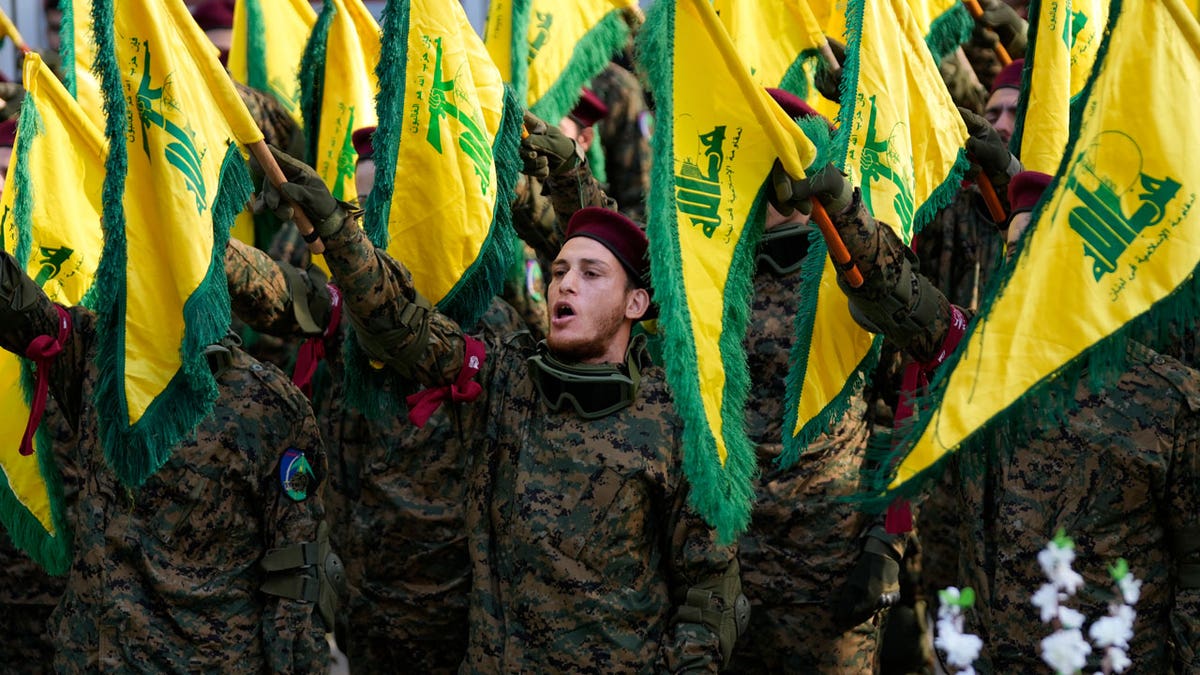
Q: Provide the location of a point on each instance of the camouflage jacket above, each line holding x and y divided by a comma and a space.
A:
581, 537
396, 490
961, 250
804, 536
166, 577
1120, 475
541, 208
624, 138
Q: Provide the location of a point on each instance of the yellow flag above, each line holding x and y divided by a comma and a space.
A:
175, 181
269, 60
50, 219
76, 47
712, 157
1088, 18
339, 87
550, 49
946, 24
1113, 249
1043, 125
901, 139
773, 39
448, 120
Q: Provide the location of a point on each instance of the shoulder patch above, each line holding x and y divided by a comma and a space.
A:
295, 475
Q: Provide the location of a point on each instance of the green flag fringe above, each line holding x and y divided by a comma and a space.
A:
795, 80
811, 270
591, 54
1054, 396
1014, 142
66, 45
135, 452
723, 495
53, 553
949, 30
519, 48
256, 48
312, 79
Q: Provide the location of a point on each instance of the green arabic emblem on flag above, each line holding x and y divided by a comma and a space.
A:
1101, 221
472, 140
880, 162
153, 106
698, 190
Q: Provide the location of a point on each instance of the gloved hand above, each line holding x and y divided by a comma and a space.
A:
304, 188
546, 151
874, 584
985, 147
826, 184
1008, 25
829, 83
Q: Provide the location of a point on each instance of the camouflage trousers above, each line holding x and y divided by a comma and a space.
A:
802, 638
26, 646
377, 653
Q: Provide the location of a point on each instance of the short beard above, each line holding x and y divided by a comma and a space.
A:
578, 352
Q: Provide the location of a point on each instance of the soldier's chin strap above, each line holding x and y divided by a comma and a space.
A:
308, 572
593, 390
42, 350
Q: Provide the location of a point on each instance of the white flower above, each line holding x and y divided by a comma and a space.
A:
1046, 599
1111, 631
1055, 557
1126, 614
1131, 588
1118, 660
1070, 618
1065, 651
960, 649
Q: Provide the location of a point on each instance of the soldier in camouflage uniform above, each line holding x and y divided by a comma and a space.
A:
586, 555
1120, 475
624, 136
397, 491
806, 541
167, 577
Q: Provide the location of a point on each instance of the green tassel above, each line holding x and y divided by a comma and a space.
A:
1014, 142
795, 80
949, 30
944, 194
520, 48
589, 57
256, 49
848, 87
29, 127
723, 495
312, 79
66, 44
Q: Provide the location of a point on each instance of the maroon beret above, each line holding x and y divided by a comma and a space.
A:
214, 14
1025, 190
8, 132
620, 235
793, 105
1009, 77
361, 139
589, 110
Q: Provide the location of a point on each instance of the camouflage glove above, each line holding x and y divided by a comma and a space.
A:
1008, 25
306, 190
546, 151
827, 184
830, 83
874, 584
987, 150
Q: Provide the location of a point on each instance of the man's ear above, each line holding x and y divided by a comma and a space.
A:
637, 302
585, 138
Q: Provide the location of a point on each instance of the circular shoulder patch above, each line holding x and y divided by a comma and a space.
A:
295, 475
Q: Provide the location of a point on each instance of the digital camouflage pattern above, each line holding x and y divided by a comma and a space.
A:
278, 126
623, 135
961, 250
1121, 476
580, 537
805, 536
397, 491
525, 290
166, 577
541, 208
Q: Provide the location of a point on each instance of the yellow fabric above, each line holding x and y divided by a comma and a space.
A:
724, 147
66, 173
1048, 111
831, 15
497, 36
555, 27
348, 100
290, 23
184, 112
87, 88
1088, 18
925, 12
1119, 231
9, 30
770, 36
905, 134
453, 103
